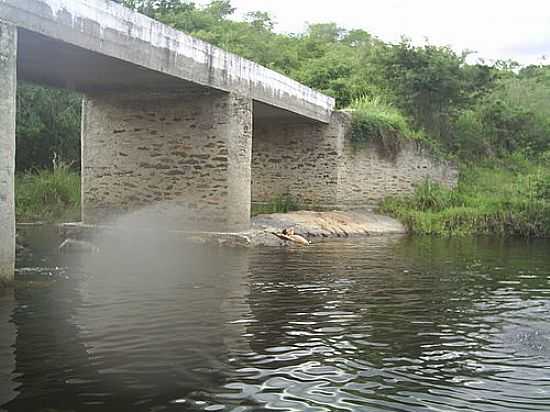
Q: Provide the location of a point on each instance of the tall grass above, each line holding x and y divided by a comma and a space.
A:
47, 195
375, 120
278, 204
508, 197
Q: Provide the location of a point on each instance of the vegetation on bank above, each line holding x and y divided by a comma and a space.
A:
279, 204
508, 196
481, 115
48, 126
47, 195
377, 121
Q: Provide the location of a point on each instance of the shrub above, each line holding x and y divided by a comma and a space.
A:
279, 204
490, 198
48, 195
374, 120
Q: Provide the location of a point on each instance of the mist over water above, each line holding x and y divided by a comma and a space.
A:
155, 323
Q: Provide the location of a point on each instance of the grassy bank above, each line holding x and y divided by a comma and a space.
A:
506, 197
47, 195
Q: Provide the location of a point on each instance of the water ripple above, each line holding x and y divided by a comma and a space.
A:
377, 325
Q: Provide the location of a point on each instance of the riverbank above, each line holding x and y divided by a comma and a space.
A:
507, 197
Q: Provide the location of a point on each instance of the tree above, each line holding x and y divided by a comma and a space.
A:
48, 123
432, 84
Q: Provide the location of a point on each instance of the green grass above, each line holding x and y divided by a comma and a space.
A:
47, 195
376, 121
510, 197
279, 204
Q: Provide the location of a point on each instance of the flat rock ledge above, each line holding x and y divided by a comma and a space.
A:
312, 225
335, 224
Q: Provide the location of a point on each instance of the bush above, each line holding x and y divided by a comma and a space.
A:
48, 122
433, 196
48, 195
279, 204
469, 140
374, 120
542, 187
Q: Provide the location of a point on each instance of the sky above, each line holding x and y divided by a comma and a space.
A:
495, 29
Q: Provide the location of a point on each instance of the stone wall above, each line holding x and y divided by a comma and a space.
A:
368, 174
186, 157
319, 166
8, 82
297, 159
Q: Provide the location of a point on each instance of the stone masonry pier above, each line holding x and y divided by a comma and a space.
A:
188, 153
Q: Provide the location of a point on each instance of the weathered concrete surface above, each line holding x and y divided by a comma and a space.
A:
92, 45
8, 84
301, 160
187, 155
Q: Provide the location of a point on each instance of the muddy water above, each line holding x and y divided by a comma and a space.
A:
385, 324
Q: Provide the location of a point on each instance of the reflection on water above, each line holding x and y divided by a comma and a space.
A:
7, 344
384, 324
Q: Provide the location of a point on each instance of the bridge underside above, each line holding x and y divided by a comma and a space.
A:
47, 61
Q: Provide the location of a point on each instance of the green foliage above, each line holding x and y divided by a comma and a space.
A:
47, 195
496, 128
279, 204
429, 83
508, 197
376, 121
48, 123
430, 196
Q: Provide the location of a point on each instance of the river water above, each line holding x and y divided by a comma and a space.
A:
382, 324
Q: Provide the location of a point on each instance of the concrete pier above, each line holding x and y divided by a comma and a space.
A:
187, 154
8, 86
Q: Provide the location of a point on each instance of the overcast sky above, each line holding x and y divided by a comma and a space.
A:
496, 29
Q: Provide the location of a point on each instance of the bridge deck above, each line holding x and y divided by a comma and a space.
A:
97, 45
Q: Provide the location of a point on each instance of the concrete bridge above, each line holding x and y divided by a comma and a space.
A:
171, 121
166, 117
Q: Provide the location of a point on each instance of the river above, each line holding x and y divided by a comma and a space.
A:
381, 324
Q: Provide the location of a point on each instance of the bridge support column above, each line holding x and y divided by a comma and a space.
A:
299, 160
184, 158
8, 85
